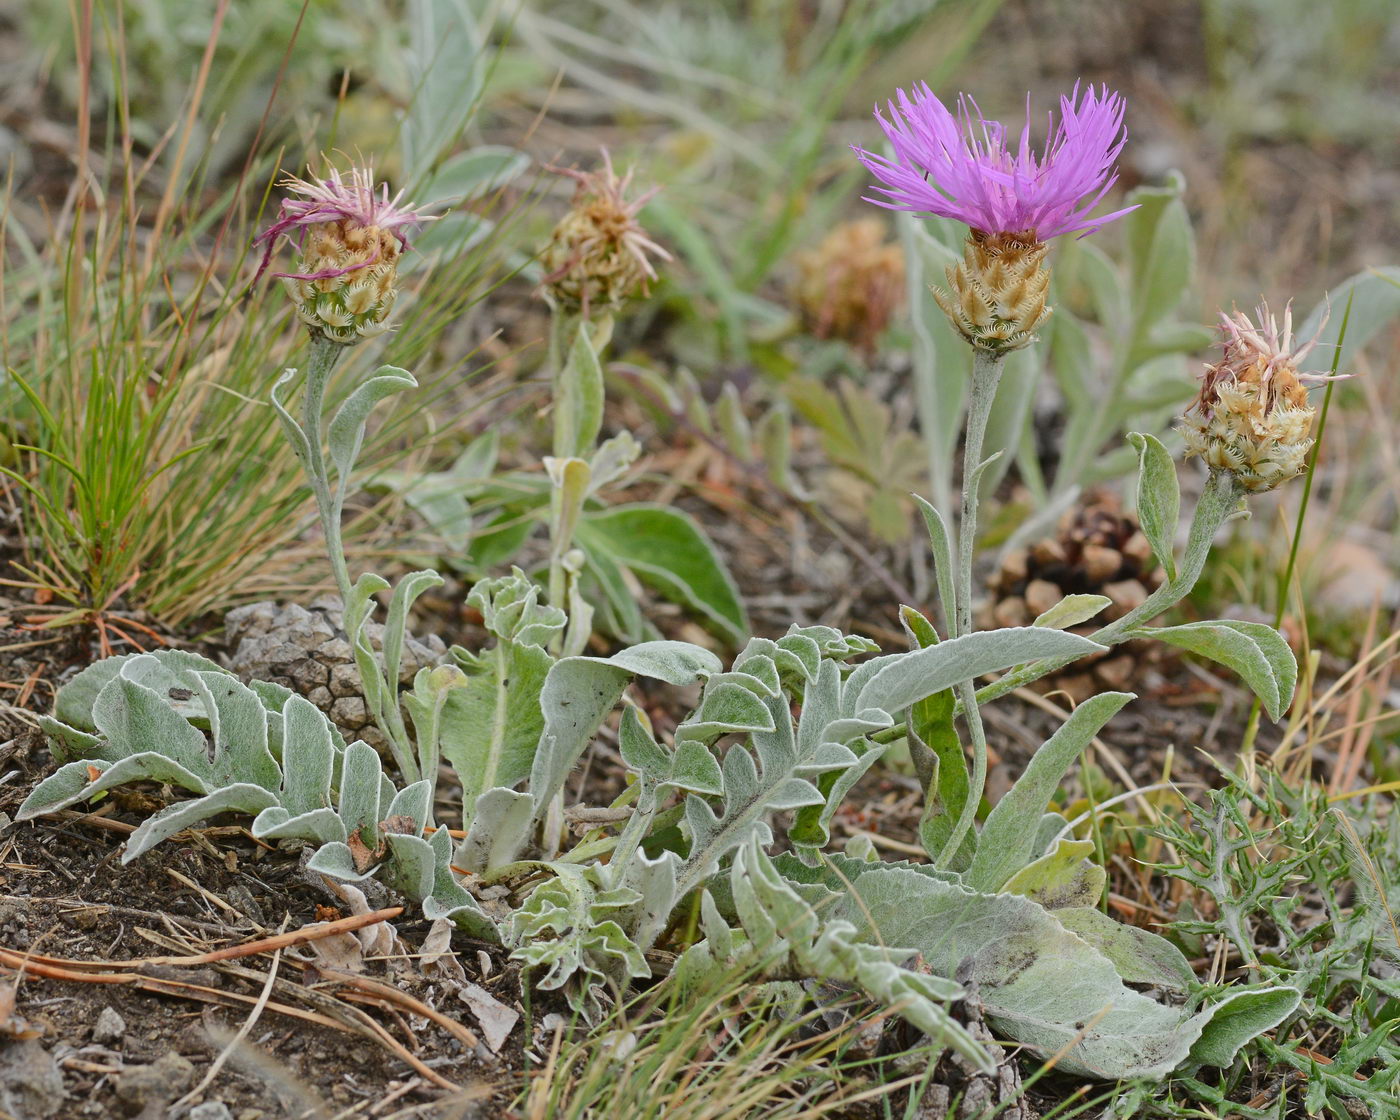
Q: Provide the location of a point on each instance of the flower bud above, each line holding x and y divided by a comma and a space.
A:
597, 258
1252, 417
997, 297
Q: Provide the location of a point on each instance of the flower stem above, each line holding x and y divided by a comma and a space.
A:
1285, 582
1219, 499
986, 374
330, 503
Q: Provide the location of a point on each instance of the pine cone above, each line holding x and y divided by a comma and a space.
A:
1098, 549
305, 649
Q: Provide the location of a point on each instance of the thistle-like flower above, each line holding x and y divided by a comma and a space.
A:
1252, 417
348, 236
598, 258
961, 166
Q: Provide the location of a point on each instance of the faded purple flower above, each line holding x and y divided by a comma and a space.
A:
337, 199
349, 237
962, 166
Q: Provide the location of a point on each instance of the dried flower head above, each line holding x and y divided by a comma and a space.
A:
1252, 416
348, 236
598, 258
851, 284
1013, 200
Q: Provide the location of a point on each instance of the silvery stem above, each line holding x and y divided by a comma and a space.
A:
986, 374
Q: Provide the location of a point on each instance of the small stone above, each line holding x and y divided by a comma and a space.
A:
110, 1026
344, 681
1100, 564
335, 651
1014, 567
350, 711
1138, 549
321, 697
157, 1083
308, 674
210, 1110
1116, 672
1047, 552
1041, 595
1011, 611
31, 1084
1079, 687
1125, 595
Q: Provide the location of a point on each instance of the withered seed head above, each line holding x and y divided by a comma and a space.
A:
599, 256
1252, 417
851, 284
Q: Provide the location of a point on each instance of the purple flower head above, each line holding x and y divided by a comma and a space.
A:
961, 165
338, 198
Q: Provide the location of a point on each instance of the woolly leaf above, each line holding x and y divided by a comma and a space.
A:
1158, 498
1258, 653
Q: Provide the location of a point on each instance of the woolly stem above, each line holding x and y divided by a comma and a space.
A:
986, 374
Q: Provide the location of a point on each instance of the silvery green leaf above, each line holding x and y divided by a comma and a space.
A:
130, 713
689, 766
347, 429
491, 727
446, 64
668, 550
238, 726
761, 666
1063, 877
450, 900
319, 826
1374, 298
893, 682
568, 928
510, 608
476, 172
579, 692
359, 790
244, 797
1139, 956
401, 602
410, 866
1039, 984
65, 786
165, 670
1239, 1017
783, 935
611, 461
1158, 498
338, 861
307, 758
580, 399
1258, 653
940, 540
1005, 843
727, 708
500, 827
68, 743
1072, 610
412, 803
1161, 251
